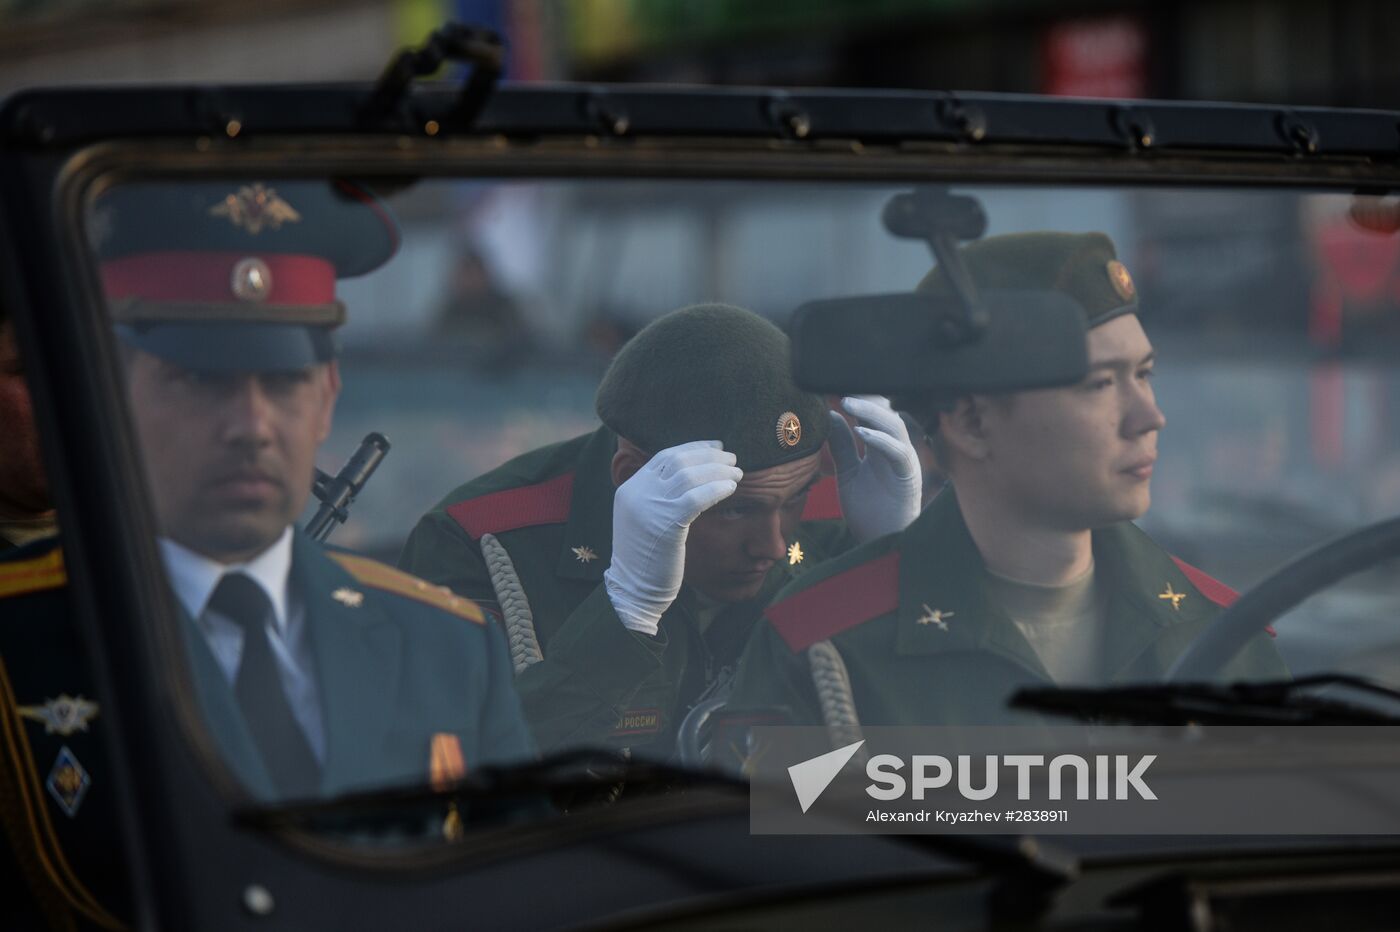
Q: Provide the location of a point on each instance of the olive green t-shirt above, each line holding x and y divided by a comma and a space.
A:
1063, 624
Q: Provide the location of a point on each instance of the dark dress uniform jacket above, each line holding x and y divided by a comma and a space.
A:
397, 670
598, 682
924, 644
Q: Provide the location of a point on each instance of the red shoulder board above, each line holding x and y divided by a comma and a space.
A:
837, 603
542, 503
823, 501
1212, 588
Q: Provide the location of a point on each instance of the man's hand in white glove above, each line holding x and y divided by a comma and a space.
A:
652, 512
879, 494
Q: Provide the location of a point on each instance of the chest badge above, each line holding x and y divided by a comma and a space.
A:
584, 554
348, 597
62, 716
795, 554
935, 616
68, 782
1173, 597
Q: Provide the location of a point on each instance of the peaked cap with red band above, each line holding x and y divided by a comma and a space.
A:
236, 275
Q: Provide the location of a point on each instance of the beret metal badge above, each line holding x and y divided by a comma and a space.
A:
1120, 279
251, 280
789, 429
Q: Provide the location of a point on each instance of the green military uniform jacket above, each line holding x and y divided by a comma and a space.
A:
598, 683
924, 645
406, 673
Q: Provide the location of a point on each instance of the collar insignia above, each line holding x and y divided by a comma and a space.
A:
935, 616
1173, 597
254, 208
795, 554
789, 429
68, 782
348, 597
63, 715
584, 554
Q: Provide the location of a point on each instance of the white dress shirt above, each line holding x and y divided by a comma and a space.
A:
194, 578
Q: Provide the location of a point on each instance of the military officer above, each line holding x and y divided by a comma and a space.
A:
1027, 569
626, 608
317, 672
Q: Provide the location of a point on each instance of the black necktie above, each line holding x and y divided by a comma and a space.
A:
258, 688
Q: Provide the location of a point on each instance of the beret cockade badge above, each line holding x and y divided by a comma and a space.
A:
1120, 279
789, 429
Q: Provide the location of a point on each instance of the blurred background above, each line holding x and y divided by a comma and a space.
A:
1277, 317
1341, 52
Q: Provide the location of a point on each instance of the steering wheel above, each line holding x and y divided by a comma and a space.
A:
1310, 572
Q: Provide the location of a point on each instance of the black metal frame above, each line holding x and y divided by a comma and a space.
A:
56, 145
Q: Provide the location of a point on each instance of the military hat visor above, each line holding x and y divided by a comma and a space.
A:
225, 346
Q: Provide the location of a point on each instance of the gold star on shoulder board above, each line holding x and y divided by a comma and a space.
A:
348, 597
1173, 597
795, 554
935, 616
584, 554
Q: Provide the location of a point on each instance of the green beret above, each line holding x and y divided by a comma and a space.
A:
712, 372
1082, 266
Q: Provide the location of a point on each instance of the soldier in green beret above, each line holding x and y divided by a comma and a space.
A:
1027, 569
630, 564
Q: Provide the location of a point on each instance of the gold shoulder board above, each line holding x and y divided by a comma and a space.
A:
36, 575
376, 575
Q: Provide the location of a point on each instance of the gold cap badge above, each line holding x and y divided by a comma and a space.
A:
255, 207
1120, 279
789, 429
251, 280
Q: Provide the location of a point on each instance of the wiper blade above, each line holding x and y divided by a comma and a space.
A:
1276, 702
567, 780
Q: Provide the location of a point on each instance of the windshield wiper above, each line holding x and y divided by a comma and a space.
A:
565, 781
1281, 702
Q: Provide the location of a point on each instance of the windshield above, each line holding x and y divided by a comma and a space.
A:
599, 512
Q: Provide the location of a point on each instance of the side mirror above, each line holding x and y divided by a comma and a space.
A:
911, 343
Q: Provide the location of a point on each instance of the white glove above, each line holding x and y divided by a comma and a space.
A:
881, 493
652, 512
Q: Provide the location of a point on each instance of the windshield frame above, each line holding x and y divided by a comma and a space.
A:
109, 539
